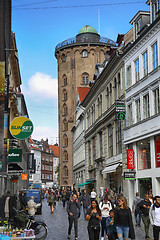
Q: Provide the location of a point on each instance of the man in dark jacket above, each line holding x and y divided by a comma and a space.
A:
86, 202
73, 216
136, 210
144, 206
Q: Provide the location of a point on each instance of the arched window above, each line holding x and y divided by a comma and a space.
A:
65, 141
65, 109
84, 54
63, 58
119, 84
65, 156
110, 93
65, 96
65, 183
65, 170
64, 80
85, 78
65, 125
115, 88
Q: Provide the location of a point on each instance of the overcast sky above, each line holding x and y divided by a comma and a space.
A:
39, 25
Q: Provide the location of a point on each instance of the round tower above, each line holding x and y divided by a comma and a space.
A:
76, 59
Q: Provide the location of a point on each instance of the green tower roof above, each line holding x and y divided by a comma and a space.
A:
87, 29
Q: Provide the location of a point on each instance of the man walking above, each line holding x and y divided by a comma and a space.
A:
73, 216
144, 206
136, 210
86, 202
154, 215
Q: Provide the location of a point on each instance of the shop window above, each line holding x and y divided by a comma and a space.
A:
156, 99
143, 151
84, 54
157, 150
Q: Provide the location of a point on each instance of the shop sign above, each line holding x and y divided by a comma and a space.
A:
130, 159
120, 110
15, 155
129, 175
21, 128
24, 177
157, 150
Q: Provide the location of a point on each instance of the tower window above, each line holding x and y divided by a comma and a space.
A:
63, 58
85, 78
84, 54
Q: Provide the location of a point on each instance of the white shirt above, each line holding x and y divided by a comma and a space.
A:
93, 194
105, 212
157, 217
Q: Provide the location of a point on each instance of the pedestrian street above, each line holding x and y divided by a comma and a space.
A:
58, 224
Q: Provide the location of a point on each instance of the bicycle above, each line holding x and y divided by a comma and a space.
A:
23, 220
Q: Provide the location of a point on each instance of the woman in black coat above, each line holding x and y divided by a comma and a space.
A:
123, 224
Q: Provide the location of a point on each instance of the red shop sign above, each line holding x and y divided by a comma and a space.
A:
130, 159
157, 150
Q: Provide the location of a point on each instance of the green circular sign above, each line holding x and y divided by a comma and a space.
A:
21, 128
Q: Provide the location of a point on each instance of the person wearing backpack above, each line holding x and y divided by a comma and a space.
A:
136, 209
105, 206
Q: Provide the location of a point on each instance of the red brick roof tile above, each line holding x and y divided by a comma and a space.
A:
82, 92
55, 149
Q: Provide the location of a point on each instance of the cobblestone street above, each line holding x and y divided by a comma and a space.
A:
58, 224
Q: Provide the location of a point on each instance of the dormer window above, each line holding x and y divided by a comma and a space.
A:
84, 54
155, 8
139, 25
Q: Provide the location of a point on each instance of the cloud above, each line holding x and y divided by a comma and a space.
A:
44, 132
41, 86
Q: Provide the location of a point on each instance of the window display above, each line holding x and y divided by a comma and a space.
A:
143, 151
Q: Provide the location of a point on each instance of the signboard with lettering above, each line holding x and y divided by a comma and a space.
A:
21, 128
130, 159
129, 175
157, 150
15, 155
120, 110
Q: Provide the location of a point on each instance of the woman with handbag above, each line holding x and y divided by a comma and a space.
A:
51, 201
123, 224
94, 218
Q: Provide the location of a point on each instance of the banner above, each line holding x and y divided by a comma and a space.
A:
15, 155
157, 150
130, 159
30, 161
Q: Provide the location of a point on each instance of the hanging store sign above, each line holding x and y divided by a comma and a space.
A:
24, 177
129, 175
157, 150
30, 161
120, 110
130, 159
15, 155
21, 127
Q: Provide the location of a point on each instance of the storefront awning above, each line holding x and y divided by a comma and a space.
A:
82, 184
111, 168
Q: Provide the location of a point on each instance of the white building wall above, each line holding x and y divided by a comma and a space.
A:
37, 176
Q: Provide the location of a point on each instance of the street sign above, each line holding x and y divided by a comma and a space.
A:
21, 128
15, 155
24, 177
129, 175
120, 110
130, 159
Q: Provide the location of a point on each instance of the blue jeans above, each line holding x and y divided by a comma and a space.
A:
124, 231
85, 211
79, 211
138, 216
104, 227
64, 201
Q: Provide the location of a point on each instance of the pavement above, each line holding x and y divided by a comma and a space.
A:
58, 224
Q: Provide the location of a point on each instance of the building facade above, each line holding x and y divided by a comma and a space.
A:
76, 59
79, 159
142, 73
55, 150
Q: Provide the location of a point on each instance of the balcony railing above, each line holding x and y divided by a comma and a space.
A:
70, 41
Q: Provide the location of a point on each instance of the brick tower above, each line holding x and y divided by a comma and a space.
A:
76, 59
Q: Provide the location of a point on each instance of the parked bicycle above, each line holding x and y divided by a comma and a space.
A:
23, 220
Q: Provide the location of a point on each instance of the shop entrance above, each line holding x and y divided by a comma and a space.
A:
145, 186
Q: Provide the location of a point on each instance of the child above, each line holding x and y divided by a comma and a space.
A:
109, 225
